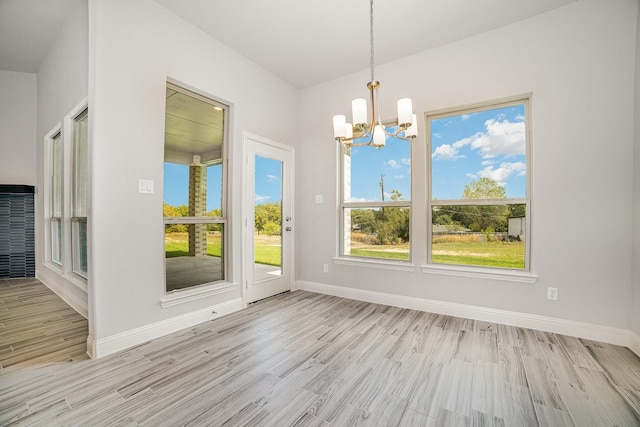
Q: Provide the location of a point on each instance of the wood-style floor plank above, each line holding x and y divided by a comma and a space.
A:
304, 359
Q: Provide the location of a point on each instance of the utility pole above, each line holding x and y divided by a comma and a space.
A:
382, 190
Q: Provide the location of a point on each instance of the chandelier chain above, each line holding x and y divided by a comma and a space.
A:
371, 39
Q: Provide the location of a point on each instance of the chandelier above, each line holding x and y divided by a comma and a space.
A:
371, 131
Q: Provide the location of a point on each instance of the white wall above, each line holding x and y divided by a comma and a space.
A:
18, 112
578, 61
62, 85
138, 45
635, 319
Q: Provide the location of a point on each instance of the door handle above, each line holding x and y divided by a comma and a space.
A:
288, 229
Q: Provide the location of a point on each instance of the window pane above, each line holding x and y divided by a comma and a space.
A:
214, 190
79, 245
377, 232
194, 254
56, 240
176, 190
482, 146
81, 133
267, 250
372, 174
193, 189
481, 235
56, 176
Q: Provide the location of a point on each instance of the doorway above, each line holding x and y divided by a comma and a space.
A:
269, 224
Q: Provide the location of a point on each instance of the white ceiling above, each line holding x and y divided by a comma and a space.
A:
27, 29
304, 42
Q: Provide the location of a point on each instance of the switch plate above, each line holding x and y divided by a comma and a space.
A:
145, 186
325, 268
318, 198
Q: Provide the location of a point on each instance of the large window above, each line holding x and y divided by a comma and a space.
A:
479, 201
194, 189
54, 193
79, 194
376, 201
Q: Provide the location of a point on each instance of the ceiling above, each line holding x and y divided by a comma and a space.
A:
302, 42
27, 29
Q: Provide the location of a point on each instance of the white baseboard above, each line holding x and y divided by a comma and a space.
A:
635, 344
118, 342
523, 320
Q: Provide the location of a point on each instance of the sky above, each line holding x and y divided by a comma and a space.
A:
465, 148
486, 144
268, 183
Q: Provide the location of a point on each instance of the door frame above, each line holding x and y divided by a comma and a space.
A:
247, 208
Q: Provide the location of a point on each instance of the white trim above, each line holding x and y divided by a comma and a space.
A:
590, 331
193, 294
635, 344
375, 263
67, 290
118, 342
482, 273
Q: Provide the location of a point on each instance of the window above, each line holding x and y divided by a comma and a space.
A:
79, 195
479, 187
376, 201
54, 188
194, 207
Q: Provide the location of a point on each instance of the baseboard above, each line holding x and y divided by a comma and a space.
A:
523, 320
635, 344
115, 343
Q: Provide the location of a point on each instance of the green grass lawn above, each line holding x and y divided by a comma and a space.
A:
488, 254
266, 249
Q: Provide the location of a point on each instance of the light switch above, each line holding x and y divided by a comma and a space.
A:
145, 186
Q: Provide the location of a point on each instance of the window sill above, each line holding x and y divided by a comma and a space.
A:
375, 263
187, 295
482, 273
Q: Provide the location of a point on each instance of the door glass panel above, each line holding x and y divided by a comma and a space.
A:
267, 246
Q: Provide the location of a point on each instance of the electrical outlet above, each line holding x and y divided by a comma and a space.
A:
552, 294
325, 268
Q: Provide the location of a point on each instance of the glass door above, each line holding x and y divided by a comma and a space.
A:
269, 225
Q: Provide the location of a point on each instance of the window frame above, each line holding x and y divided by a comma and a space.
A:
187, 293
76, 218
348, 259
55, 136
512, 274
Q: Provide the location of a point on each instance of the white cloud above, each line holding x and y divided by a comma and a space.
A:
445, 152
393, 164
272, 178
261, 199
406, 162
502, 173
502, 138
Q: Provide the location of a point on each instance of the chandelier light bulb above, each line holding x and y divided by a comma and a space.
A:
359, 112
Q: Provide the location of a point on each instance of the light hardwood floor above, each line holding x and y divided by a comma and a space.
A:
307, 359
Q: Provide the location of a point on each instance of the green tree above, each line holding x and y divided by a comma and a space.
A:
266, 213
484, 188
